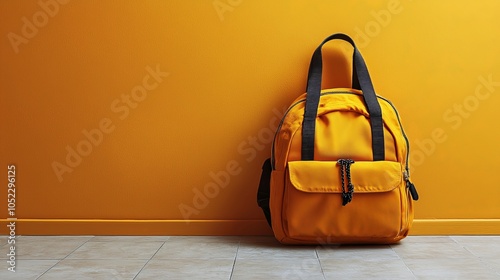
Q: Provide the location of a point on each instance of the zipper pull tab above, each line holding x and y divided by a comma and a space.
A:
412, 189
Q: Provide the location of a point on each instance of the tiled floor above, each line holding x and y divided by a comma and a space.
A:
247, 257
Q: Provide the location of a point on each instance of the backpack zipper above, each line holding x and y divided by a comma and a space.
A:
284, 116
406, 173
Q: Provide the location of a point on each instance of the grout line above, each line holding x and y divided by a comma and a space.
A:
235, 257
47, 270
403, 260
454, 240
320, 265
407, 267
146, 263
59, 260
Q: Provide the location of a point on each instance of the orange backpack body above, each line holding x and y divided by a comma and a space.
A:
339, 170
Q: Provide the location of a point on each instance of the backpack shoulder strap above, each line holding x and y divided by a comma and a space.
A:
264, 190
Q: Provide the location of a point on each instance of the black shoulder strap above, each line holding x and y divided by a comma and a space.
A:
313, 95
263, 193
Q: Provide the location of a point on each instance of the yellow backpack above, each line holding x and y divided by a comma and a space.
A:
339, 170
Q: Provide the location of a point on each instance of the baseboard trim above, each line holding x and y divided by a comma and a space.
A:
219, 227
455, 227
137, 227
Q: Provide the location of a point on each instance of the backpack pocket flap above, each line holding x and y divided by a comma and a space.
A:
325, 176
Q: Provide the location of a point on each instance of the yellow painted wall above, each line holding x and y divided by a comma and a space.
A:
119, 114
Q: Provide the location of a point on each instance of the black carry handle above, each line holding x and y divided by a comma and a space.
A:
313, 96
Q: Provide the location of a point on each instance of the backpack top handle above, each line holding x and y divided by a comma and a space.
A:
360, 71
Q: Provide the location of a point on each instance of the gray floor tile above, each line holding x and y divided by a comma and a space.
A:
363, 252
26, 269
365, 269
493, 263
258, 239
205, 239
483, 250
46, 247
94, 269
424, 250
273, 250
428, 239
186, 249
52, 238
129, 238
3, 240
289, 268
250, 257
480, 246
181, 269
476, 239
450, 268
116, 250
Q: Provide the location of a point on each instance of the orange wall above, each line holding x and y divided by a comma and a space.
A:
118, 115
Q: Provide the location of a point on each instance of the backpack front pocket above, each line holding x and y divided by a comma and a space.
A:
314, 202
